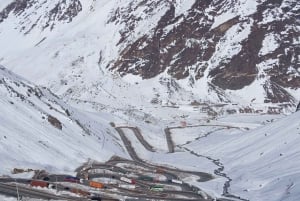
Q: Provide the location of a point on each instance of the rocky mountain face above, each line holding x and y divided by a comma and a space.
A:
232, 48
188, 45
61, 10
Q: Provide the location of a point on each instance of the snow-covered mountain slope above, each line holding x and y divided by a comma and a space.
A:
154, 64
238, 51
37, 130
4, 3
262, 163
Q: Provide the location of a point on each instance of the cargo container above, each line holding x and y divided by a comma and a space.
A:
37, 183
95, 184
130, 181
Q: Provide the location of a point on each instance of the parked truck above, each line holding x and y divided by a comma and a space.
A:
127, 186
80, 192
159, 178
37, 183
100, 171
95, 184
160, 170
145, 178
127, 180
157, 188
176, 181
71, 179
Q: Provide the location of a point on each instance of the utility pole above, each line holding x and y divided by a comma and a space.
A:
56, 184
18, 197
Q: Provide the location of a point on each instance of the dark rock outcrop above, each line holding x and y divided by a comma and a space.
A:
54, 122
